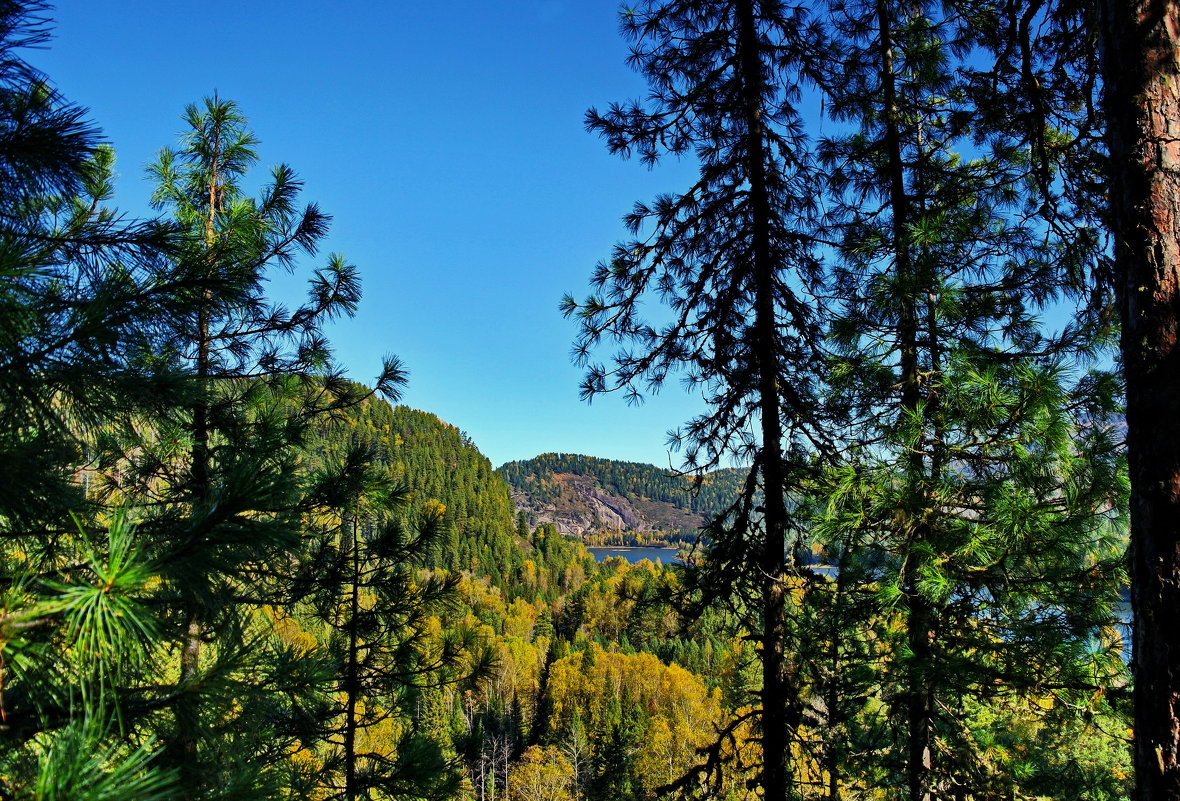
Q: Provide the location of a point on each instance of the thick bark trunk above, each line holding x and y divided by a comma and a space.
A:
187, 716
919, 697
778, 702
1142, 73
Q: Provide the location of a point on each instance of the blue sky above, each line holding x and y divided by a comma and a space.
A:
447, 142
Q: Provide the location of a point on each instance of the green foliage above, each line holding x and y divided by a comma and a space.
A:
446, 476
221, 466
68, 644
375, 611
973, 508
733, 260
229, 573
78, 303
79, 290
82, 762
982, 489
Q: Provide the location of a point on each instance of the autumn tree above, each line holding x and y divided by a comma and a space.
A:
635, 723
542, 774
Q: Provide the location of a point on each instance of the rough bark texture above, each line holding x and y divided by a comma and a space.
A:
1143, 104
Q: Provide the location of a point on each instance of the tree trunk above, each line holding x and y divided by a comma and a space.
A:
918, 697
186, 710
187, 704
352, 670
1140, 62
777, 699
836, 691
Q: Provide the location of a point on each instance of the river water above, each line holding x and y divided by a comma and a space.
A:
663, 555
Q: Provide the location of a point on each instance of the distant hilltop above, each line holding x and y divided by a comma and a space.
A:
608, 502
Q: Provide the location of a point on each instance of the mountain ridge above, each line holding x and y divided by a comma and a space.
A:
606, 501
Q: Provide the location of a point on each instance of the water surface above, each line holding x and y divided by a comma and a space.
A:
665, 556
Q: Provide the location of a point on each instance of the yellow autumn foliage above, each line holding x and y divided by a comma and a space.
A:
682, 714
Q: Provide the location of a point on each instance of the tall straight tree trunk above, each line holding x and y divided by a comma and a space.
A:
918, 698
1141, 44
187, 703
352, 687
777, 691
186, 710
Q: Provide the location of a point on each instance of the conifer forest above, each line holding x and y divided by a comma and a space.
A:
922, 542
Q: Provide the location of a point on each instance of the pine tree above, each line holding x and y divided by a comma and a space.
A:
983, 479
361, 579
221, 471
79, 286
727, 258
79, 305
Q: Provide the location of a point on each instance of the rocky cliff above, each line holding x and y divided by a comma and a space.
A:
600, 498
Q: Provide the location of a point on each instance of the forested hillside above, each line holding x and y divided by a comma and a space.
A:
228, 572
602, 681
565, 674
445, 474
611, 502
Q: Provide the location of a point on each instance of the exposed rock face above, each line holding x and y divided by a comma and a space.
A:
607, 500
583, 507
